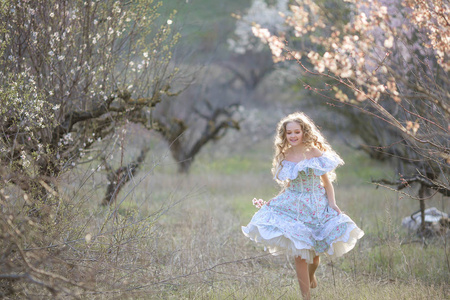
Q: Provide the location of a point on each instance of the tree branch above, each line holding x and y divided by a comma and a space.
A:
407, 181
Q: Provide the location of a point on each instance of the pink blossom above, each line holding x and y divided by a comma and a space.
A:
258, 202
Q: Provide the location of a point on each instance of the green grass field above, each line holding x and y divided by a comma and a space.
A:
197, 250
173, 236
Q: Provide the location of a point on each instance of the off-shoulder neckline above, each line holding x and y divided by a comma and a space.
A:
306, 159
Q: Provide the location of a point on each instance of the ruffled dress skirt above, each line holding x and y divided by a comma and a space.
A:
299, 222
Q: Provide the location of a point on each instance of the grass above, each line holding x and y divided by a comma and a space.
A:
210, 258
179, 237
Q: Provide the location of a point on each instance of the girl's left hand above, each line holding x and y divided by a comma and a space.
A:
335, 207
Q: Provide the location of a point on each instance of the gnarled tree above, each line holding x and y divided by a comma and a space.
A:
388, 63
70, 73
186, 137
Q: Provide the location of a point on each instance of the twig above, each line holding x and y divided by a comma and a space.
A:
406, 181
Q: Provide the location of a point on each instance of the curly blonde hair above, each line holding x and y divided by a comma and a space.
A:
312, 137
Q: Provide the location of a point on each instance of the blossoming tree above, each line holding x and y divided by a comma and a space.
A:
70, 73
389, 66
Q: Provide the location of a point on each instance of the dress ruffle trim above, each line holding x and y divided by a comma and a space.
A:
278, 243
346, 242
325, 163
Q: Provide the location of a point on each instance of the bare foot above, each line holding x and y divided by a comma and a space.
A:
313, 283
312, 270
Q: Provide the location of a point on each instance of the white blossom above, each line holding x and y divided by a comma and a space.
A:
389, 42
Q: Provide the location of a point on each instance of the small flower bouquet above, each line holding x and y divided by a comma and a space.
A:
258, 202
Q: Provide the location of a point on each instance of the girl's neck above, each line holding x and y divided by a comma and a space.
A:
299, 149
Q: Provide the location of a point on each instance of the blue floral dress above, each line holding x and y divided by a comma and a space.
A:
298, 221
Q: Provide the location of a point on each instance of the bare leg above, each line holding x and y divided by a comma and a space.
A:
301, 267
312, 270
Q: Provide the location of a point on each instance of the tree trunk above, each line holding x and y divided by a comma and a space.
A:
422, 207
185, 165
118, 178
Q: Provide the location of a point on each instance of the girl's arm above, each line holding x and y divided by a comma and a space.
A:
330, 192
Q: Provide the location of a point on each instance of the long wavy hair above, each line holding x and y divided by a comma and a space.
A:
312, 137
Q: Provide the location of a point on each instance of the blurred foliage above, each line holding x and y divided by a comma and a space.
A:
199, 20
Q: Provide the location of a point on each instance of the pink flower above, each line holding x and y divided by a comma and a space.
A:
258, 202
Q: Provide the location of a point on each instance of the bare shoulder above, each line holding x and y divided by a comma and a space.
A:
314, 152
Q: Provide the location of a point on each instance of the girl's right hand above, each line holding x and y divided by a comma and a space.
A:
258, 202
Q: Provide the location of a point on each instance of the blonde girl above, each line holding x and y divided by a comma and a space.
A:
304, 220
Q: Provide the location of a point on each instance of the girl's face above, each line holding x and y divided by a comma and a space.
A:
294, 133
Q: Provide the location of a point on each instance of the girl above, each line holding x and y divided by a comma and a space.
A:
303, 220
